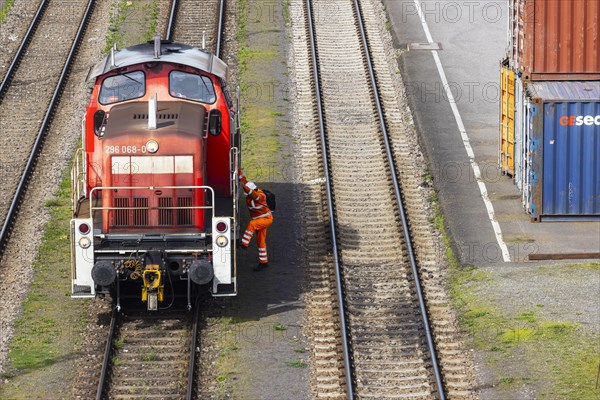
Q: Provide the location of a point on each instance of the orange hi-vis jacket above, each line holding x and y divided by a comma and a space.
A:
256, 201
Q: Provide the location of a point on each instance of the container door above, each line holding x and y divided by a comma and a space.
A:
507, 127
527, 155
571, 160
519, 126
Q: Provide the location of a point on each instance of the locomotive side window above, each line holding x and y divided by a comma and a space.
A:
123, 87
192, 87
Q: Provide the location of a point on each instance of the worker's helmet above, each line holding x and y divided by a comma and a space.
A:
251, 185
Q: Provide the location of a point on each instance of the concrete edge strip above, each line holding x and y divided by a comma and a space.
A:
465, 138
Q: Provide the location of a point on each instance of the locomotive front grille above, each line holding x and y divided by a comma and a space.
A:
165, 217
121, 217
140, 217
155, 212
184, 216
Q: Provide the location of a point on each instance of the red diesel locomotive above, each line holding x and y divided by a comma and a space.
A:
154, 184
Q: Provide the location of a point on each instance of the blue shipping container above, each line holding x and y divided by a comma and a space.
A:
564, 129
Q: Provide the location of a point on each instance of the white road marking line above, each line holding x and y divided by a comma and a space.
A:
466, 142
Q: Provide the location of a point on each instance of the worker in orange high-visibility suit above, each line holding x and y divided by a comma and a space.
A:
262, 218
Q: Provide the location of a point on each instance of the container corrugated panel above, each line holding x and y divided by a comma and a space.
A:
565, 143
555, 39
507, 122
528, 144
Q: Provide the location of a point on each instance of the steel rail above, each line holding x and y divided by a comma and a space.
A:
37, 146
107, 353
22, 48
193, 353
172, 21
421, 298
397, 191
338, 277
220, 27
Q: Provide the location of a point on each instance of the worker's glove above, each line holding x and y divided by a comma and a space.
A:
241, 177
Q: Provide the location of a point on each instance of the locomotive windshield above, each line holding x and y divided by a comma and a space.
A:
192, 87
123, 87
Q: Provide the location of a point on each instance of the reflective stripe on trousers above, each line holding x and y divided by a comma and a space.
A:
260, 227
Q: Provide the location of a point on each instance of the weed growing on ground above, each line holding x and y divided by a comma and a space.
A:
5, 9
558, 358
279, 327
296, 364
118, 15
124, 10
37, 331
120, 343
150, 356
151, 10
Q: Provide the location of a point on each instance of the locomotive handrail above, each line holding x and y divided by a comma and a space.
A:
237, 111
233, 155
212, 191
78, 179
233, 167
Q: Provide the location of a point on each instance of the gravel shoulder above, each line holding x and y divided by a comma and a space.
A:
254, 343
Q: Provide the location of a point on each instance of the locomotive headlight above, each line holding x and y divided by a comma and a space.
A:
221, 241
85, 242
152, 146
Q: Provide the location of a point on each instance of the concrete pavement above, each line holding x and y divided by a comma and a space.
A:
472, 36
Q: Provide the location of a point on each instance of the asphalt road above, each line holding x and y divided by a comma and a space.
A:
472, 36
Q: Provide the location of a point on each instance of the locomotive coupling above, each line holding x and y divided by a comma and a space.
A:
153, 290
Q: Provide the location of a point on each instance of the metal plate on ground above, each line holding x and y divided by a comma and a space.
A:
425, 46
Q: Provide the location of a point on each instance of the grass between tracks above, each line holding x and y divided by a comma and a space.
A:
261, 91
555, 358
266, 131
5, 9
131, 22
42, 350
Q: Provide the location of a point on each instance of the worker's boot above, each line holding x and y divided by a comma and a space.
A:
261, 267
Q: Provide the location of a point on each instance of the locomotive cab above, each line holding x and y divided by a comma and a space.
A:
154, 184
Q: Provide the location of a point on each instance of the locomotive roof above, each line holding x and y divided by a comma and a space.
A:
170, 52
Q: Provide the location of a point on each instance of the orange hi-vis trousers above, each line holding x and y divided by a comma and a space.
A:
259, 226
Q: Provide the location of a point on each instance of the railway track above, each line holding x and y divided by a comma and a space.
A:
20, 51
384, 333
150, 356
154, 355
30, 93
192, 20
